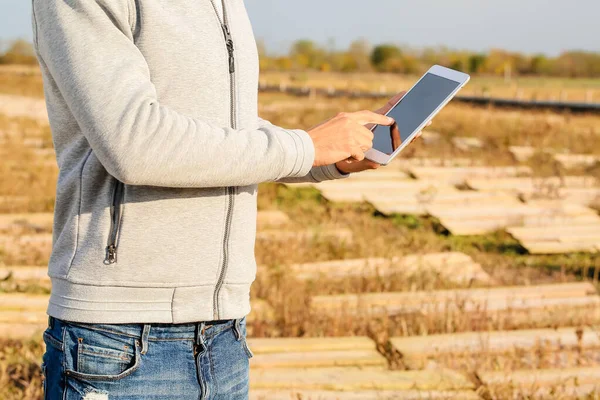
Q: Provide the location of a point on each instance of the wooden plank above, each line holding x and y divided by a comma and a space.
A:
502, 209
382, 174
490, 306
531, 184
418, 204
464, 300
316, 359
280, 345
558, 238
560, 220
555, 247
590, 237
416, 350
413, 191
576, 160
24, 273
462, 174
356, 379
31, 221
346, 196
407, 163
315, 352
465, 220
271, 219
283, 394
409, 187
413, 185
452, 266
551, 232
450, 196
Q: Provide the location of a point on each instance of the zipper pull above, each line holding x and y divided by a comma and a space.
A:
111, 254
230, 49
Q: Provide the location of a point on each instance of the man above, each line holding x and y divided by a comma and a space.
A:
153, 110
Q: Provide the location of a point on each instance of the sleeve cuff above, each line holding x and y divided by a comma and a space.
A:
300, 153
327, 173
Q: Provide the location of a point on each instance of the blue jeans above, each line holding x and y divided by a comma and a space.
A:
146, 361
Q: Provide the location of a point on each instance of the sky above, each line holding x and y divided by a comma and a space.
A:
530, 26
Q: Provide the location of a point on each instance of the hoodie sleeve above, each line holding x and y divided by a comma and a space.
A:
87, 48
316, 174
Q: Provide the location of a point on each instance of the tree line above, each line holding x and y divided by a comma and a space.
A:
361, 56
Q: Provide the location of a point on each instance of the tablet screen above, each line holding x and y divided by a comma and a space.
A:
414, 108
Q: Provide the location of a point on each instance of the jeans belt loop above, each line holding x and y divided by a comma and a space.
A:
237, 329
145, 334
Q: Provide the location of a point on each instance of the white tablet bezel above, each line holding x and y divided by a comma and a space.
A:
460, 77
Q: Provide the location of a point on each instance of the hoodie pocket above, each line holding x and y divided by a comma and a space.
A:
116, 212
146, 236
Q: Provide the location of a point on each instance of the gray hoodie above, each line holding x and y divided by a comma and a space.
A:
153, 110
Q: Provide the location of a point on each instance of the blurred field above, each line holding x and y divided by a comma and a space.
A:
417, 308
526, 88
26, 81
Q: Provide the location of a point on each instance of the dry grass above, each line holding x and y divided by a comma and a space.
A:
21, 81
25, 171
374, 235
20, 373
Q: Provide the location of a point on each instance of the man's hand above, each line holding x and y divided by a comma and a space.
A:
351, 165
345, 136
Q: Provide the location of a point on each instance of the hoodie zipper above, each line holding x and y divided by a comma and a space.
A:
115, 222
233, 122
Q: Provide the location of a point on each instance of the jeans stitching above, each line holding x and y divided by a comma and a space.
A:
103, 355
211, 370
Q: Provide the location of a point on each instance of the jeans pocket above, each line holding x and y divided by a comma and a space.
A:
102, 361
101, 358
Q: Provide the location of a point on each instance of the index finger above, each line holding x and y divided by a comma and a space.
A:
370, 117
